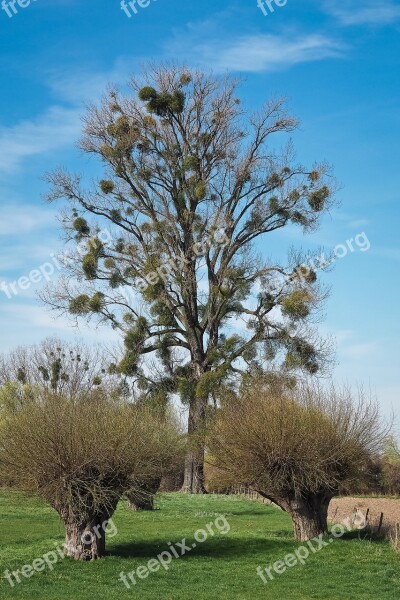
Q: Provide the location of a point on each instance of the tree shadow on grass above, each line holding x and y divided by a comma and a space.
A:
256, 513
226, 547
276, 543
363, 536
350, 535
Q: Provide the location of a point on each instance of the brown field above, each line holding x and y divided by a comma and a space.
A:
341, 508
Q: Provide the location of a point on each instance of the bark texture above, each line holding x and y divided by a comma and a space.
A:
143, 499
309, 513
194, 481
309, 516
85, 534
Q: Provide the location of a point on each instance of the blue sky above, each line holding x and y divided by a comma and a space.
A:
336, 61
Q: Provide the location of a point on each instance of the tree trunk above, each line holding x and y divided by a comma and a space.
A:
309, 513
85, 535
172, 482
194, 461
143, 498
135, 503
194, 473
309, 516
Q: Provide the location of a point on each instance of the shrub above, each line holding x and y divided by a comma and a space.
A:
296, 448
81, 455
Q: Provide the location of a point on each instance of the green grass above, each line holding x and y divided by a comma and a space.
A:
222, 568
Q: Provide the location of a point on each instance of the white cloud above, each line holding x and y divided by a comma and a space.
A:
81, 87
253, 53
358, 223
22, 259
351, 348
388, 253
343, 335
349, 345
23, 219
367, 13
24, 323
359, 351
59, 125
55, 128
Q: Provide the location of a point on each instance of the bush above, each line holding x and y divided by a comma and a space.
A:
81, 455
297, 448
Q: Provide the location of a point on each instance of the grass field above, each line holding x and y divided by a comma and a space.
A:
222, 567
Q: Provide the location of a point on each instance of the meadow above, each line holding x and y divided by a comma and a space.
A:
222, 567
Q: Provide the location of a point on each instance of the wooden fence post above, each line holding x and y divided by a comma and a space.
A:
380, 523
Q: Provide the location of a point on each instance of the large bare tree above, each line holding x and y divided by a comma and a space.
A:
68, 368
191, 182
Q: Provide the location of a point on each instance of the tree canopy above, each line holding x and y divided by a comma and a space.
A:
297, 447
191, 181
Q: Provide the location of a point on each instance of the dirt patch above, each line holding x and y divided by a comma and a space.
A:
342, 508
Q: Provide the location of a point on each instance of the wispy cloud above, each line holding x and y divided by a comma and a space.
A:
59, 125
351, 348
388, 253
56, 127
354, 12
360, 351
358, 223
81, 87
32, 322
251, 53
25, 220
